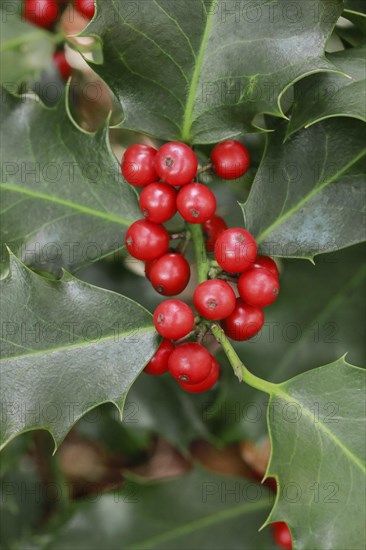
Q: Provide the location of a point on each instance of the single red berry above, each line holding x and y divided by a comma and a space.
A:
267, 263
214, 299
176, 163
147, 241
159, 363
244, 322
43, 13
85, 7
190, 363
173, 319
196, 203
235, 250
207, 383
258, 287
212, 228
62, 65
170, 274
158, 202
230, 159
138, 165
282, 535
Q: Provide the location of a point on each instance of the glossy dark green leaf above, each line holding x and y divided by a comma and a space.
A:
198, 510
327, 95
66, 347
317, 430
308, 194
200, 71
63, 199
318, 317
24, 49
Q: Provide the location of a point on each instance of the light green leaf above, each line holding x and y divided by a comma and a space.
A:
63, 199
317, 430
24, 49
308, 194
328, 95
200, 71
198, 510
66, 347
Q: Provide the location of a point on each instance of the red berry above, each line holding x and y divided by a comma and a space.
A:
85, 7
173, 319
235, 250
62, 65
212, 228
43, 13
158, 202
244, 322
230, 159
138, 165
147, 241
196, 203
159, 363
214, 299
176, 163
170, 274
207, 383
258, 287
282, 535
267, 263
190, 363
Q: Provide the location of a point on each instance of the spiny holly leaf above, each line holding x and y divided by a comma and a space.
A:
24, 49
200, 71
308, 194
318, 456
327, 95
298, 335
198, 510
63, 199
66, 347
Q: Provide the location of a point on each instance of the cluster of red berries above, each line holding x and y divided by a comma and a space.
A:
45, 13
159, 173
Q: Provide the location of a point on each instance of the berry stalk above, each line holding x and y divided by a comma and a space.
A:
240, 370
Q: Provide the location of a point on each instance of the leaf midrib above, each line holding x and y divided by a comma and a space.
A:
187, 117
280, 220
77, 345
69, 204
279, 392
195, 525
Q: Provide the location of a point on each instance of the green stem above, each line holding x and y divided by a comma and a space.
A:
239, 368
203, 267
202, 261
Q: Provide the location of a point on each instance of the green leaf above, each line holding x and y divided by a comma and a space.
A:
24, 49
198, 510
308, 194
66, 347
327, 95
63, 199
318, 456
299, 334
182, 418
204, 77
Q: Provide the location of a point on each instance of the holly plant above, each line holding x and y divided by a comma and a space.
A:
182, 232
